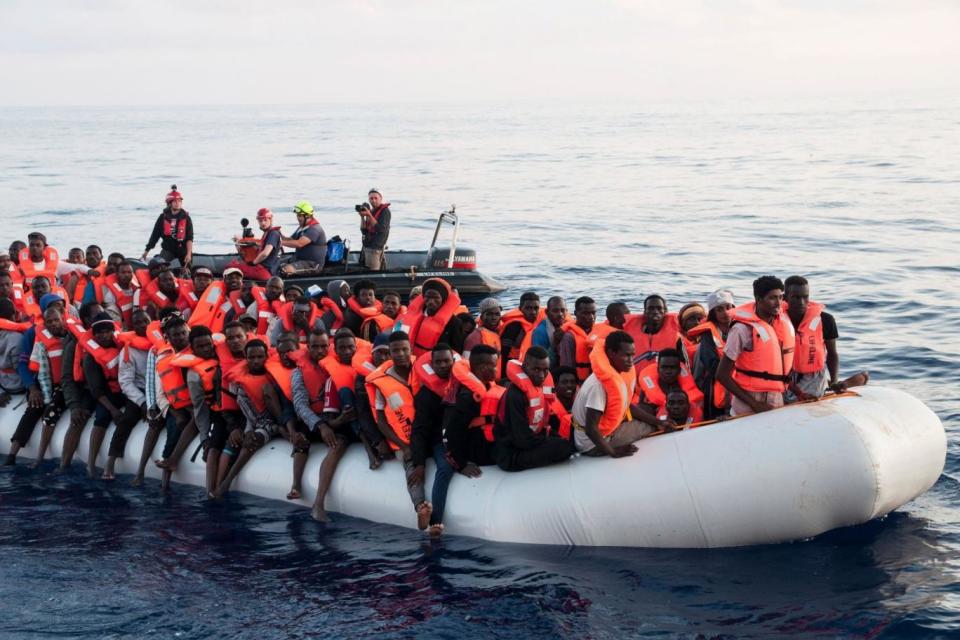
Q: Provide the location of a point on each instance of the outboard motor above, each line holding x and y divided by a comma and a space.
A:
463, 258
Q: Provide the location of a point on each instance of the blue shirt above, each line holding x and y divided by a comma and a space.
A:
272, 238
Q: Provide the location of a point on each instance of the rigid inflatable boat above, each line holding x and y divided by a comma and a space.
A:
779, 476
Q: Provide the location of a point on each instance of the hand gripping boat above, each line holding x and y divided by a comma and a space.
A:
778, 476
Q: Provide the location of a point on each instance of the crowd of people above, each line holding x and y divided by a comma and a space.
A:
219, 367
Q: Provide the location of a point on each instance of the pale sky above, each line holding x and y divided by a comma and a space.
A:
115, 52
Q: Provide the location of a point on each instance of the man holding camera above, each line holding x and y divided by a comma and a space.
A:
375, 228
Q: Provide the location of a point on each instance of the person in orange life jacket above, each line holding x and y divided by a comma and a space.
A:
253, 387
616, 314
488, 331
307, 384
426, 437
758, 355
690, 316
8, 292
232, 280
374, 230
75, 255
467, 446
653, 331
163, 391
340, 426
678, 407
521, 430
11, 340
292, 291
712, 336
303, 318
360, 304
379, 354
40, 287
174, 230
44, 390
573, 350
339, 292
600, 410
385, 321
118, 293
816, 355
132, 379
76, 284
40, 258
567, 383
164, 292
415, 292
516, 324
436, 292
288, 354
101, 368
308, 241
201, 277
93, 289
267, 261
262, 305
657, 379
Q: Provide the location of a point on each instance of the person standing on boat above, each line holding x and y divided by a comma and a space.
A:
758, 356
174, 230
308, 241
375, 230
817, 361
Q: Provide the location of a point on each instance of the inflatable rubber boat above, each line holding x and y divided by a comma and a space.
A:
779, 476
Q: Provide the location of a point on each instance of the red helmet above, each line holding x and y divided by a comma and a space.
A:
264, 213
174, 194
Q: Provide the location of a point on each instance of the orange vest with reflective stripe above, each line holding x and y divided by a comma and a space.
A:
719, 391
428, 378
251, 384
54, 347
107, 357
207, 370
619, 387
767, 366
211, 309
16, 327
286, 317
82, 281
648, 345
584, 344
314, 378
488, 397
566, 420
515, 316
171, 378
48, 266
538, 398
124, 299
281, 375
653, 393
811, 350
425, 331
398, 401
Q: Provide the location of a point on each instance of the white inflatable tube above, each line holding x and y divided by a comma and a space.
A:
779, 476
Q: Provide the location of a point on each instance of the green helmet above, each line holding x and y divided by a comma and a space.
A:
303, 208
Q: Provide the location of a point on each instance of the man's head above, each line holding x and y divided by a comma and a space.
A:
202, 278
536, 364
556, 311
668, 367
75, 255
156, 265
264, 219
467, 321
365, 291
6, 284
690, 315
287, 345
291, 291
391, 304
585, 313
40, 287
530, 306
174, 199
93, 256
139, 321
5, 261
233, 279
617, 314
719, 305
620, 349
201, 342
400, 349
113, 260
249, 323
565, 383
103, 330
797, 294
302, 309
235, 335
483, 362
768, 294
654, 310
433, 296
381, 349
441, 359
274, 289
53, 321
318, 344
167, 282
678, 406
304, 212
256, 352
88, 311
52, 300
490, 312
375, 198
36, 242
344, 345
124, 274
15, 247
176, 332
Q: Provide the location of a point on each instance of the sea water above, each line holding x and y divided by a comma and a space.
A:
613, 201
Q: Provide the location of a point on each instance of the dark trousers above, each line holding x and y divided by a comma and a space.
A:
129, 419
102, 417
177, 419
50, 414
549, 451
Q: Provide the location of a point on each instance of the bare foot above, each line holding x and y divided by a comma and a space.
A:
858, 380
436, 530
107, 475
59, 471
293, 494
91, 472
374, 459
424, 509
10, 460
162, 463
35, 464
137, 480
318, 514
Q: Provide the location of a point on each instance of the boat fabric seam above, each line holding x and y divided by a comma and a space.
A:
696, 506
873, 465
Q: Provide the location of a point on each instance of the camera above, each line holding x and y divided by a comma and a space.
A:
360, 207
247, 231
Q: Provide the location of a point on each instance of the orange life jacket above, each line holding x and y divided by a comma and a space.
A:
767, 367
719, 391
207, 370
364, 312
566, 420
602, 329
281, 375
171, 378
286, 317
31, 304
489, 338
266, 309
125, 301
151, 293
488, 397
811, 350
329, 306
538, 398
425, 331
131, 340
584, 345
48, 266
54, 347
211, 310
650, 344
398, 398
619, 387
344, 375
155, 335
107, 357
428, 378
228, 363
515, 316
82, 281
176, 227
653, 393
16, 327
252, 385
142, 277
314, 378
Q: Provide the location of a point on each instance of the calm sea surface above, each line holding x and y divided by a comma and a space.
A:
862, 197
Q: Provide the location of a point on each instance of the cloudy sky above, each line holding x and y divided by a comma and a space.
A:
298, 51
